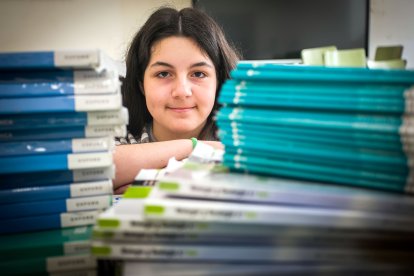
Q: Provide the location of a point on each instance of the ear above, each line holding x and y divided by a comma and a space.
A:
141, 87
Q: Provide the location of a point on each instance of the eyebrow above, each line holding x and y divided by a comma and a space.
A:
198, 64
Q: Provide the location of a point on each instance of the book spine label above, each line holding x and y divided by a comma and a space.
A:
105, 130
77, 247
88, 203
117, 117
98, 102
76, 58
92, 144
78, 218
94, 174
69, 263
89, 160
91, 188
91, 82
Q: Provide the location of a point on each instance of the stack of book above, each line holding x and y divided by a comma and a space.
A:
59, 112
348, 126
201, 219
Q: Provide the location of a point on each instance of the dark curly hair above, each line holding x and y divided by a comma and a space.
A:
164, 23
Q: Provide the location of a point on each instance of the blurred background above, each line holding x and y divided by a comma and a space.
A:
264, 29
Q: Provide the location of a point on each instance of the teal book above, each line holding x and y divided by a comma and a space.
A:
67, 241
397, 106
286, 167
320, 120
317, 88
246, 71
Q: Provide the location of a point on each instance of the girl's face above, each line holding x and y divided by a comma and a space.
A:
180, 86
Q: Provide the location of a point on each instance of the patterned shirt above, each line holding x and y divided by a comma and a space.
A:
146, 137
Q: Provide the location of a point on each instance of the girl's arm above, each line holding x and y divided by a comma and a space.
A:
130, 159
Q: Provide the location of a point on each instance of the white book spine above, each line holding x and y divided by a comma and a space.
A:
89, 160
91, 188
68, 263
79, 59
91, 82
78, 218
98, 102
77, 247
92, 144
111, 117
88, 203
105, 130
94, 174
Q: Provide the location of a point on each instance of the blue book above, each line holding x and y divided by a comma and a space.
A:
39, 147
59, 191
65, 119
246, 71
46, 222
54, 206
82, 103
79, 59
54, 162
57, 83
63, 132
45, 178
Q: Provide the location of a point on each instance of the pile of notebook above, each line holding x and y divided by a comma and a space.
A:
59, 112
348, 126
197, 218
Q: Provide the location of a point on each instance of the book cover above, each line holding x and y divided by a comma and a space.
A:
82, 103
54, 206
67, 241
63, 132
45, 178
82, 264
65, 119
39, 147
46, 222
65, 59
59, 191
15, 84
54, 162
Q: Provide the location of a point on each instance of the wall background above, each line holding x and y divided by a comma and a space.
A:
110, 24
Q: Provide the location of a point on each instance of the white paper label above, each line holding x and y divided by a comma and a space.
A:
94, 174
89, 160
88, 203
63, 263
110, 130
78, 218
98, 102
92, 144
77, 247
91, 188
91, 82
78, 59
116, 117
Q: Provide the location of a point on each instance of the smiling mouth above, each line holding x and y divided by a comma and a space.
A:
181, 109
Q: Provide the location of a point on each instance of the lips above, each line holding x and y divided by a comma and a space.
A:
181, 109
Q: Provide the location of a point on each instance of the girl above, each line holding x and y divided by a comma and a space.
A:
176, 65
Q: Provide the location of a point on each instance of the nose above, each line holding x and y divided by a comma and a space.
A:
182, 88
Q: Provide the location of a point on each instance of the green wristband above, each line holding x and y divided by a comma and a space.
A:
194, 141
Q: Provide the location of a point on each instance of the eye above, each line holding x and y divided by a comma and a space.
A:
163, 75
199, 75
